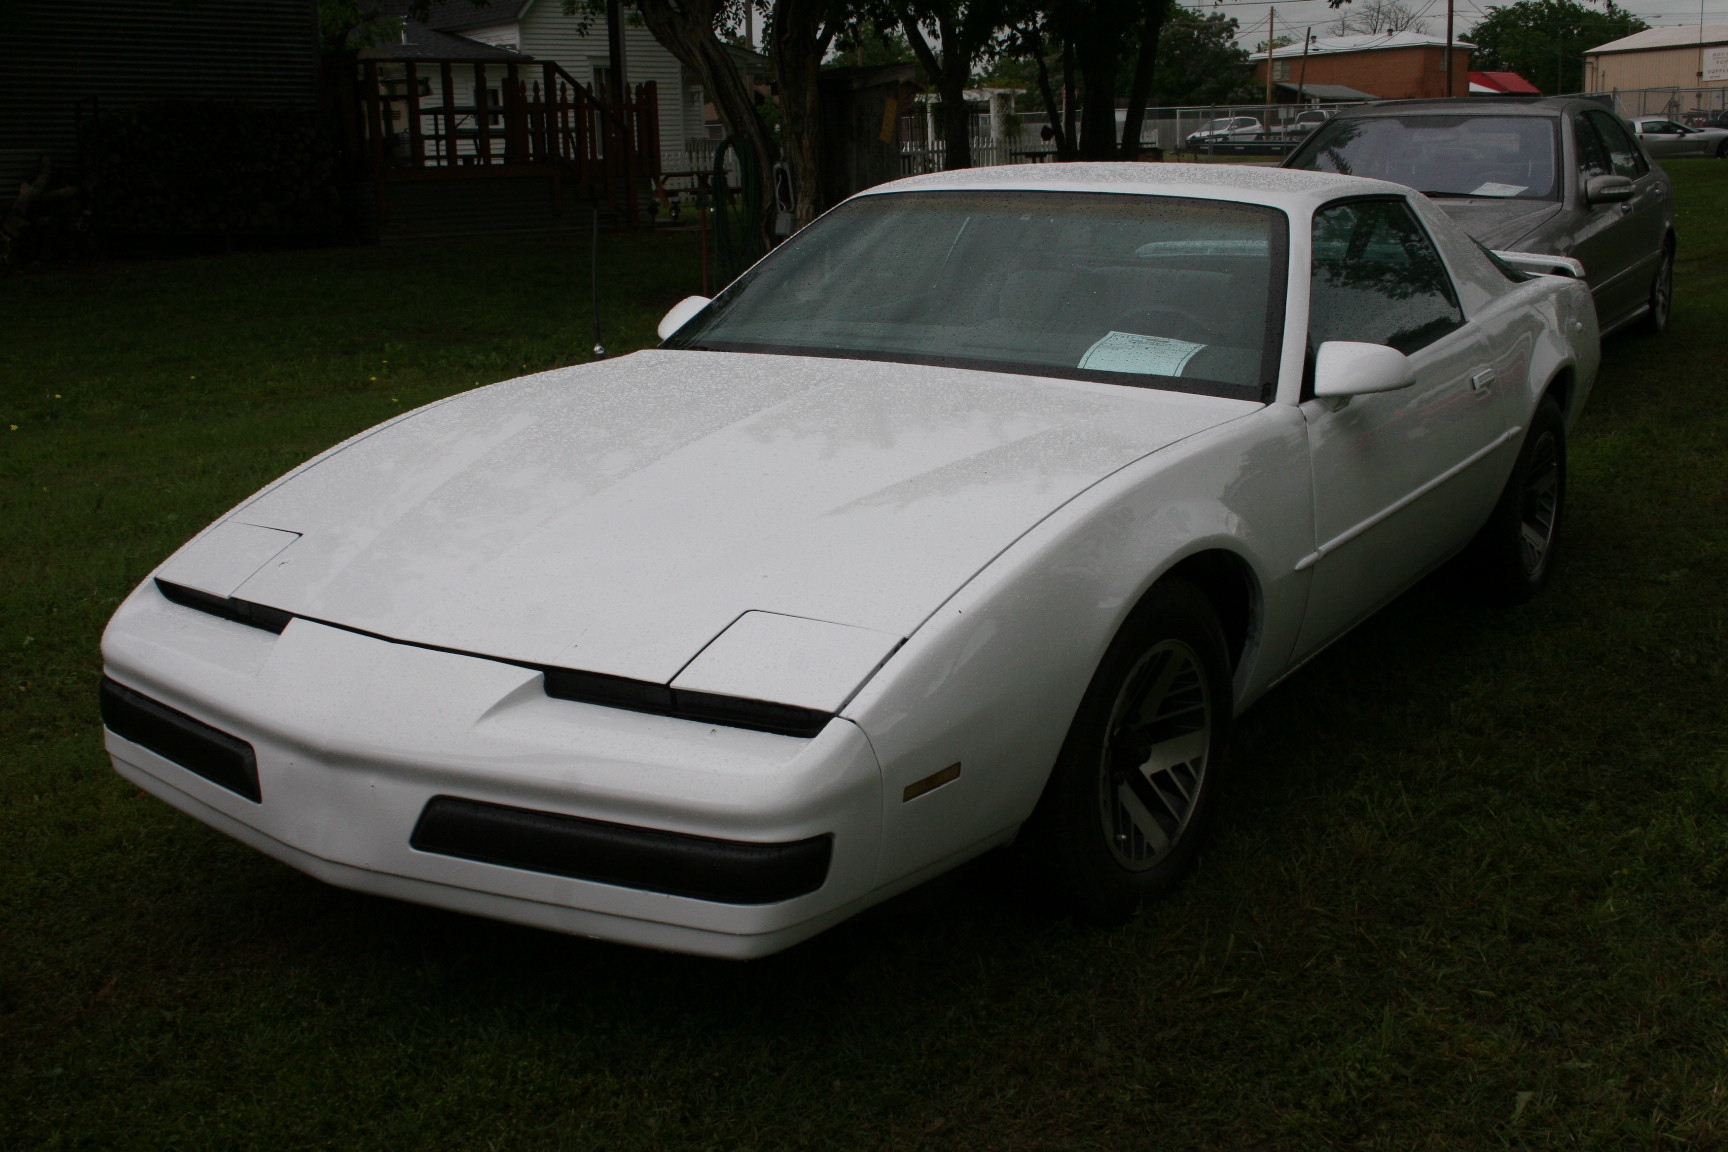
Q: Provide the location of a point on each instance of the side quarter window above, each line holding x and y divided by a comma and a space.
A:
1623, 154
1592, 151
1377, 278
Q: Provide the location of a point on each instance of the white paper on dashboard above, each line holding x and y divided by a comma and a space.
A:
1493, 189
1147, 355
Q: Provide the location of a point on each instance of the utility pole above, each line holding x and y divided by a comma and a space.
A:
1302, 72
1271, 15
1451, 85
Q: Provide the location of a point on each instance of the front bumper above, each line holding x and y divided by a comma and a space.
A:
355, 740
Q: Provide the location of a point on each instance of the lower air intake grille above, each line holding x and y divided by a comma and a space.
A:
192, 744
725, 871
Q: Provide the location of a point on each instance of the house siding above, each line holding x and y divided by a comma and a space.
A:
127, 52
547, 34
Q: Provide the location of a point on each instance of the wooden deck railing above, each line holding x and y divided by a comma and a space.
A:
427, 119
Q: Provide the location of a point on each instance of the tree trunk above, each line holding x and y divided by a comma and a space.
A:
1140, 90
1069, 98
1052, 110
948, 76
1097, 58
687, 31
797, 44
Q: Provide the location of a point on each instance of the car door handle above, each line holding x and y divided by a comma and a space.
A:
1625, 209
1483, 380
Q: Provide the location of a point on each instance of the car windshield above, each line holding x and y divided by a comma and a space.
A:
1149, 291
1504, 157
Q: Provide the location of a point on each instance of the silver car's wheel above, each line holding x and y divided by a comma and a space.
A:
1130, 796
1661, 295
1152, 766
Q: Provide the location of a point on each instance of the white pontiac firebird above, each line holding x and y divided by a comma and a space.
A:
972, 514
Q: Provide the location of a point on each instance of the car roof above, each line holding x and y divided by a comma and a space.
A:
1497, 105
1286, 188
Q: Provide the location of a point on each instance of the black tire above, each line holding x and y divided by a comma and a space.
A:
1510, 559
1107, 832
1722, 150
1655, 321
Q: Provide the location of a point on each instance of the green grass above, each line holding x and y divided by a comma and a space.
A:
1469, 890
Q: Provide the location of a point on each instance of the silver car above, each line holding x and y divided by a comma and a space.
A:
1560, 176
1663, 138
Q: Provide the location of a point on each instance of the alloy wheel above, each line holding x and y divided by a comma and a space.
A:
1539, 506
1662, 292
1155, 755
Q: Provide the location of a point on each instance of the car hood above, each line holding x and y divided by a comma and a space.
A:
1498, 223
617, 517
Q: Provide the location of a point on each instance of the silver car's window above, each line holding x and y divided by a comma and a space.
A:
1151, 291
1623, 155
1378, 279
1503, 157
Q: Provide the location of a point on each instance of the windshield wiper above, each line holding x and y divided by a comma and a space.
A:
1456, 195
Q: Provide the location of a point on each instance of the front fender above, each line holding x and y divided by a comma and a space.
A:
991, 681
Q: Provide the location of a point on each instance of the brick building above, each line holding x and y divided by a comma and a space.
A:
1386, 65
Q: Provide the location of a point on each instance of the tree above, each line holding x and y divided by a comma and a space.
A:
1199, 61
964, 30
1103, 47
1374, 16
867, 43
1544, 41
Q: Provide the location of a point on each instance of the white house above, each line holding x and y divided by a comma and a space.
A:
539, 28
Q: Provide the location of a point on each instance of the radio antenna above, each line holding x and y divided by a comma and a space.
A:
594, 280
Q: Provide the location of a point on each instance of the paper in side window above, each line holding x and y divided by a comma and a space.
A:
1144, 355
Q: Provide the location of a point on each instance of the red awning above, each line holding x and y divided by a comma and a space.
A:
1509, 83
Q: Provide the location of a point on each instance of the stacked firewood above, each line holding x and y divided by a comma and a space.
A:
208, 168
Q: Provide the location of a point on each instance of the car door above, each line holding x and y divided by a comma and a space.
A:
1618, 243
1401, 479
1656, 142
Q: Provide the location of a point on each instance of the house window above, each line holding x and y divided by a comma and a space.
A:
1280, 69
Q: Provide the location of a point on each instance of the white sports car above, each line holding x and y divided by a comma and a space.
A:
973, 513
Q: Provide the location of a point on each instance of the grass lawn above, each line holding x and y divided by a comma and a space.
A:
1470, 891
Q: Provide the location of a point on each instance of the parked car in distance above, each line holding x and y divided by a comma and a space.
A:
974, 513
1558, 175
1222, 133
1717, 118
1664, 138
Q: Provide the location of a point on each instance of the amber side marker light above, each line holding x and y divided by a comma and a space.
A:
931, 782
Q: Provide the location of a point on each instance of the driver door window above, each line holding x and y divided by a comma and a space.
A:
1377, 279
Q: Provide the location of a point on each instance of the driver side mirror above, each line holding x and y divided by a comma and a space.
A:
1345, 368
680, 314
1607, 190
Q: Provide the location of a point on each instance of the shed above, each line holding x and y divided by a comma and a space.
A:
1676, 57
